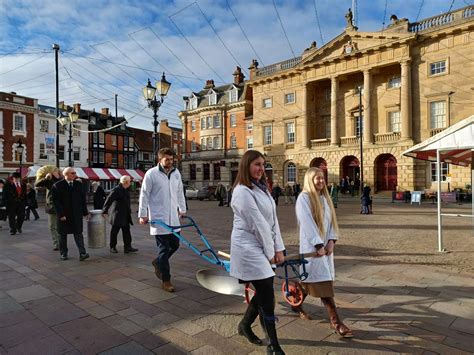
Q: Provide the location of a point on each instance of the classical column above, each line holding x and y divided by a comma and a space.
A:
305, 116
405, 99
366, 102
334, 89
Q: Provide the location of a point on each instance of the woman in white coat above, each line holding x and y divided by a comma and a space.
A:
318, 232
256, 243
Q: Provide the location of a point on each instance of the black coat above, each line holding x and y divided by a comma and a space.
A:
99, 198
118, 203
69, 203
12, 199
31, 199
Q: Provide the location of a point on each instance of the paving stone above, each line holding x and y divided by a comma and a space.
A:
184, 341
148, 339
99, 312
93, 294
29, 293
15, 283
127, 349
152, 294
207, 350
188, 327
123, 325
170, 349
114, 305
22, 332
9, 305
219, 342
465, 325
127, 312
52, 344
54, 310
143, 307
126, 285
10, 274
11, 318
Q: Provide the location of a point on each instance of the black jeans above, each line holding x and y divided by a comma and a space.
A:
167, 244
33, 210
16, 216
78, 238
127, 237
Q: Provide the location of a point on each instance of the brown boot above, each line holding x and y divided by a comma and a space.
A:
167, 286
336, 324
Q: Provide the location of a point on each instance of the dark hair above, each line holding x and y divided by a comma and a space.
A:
243, 175
165, 151
16, 175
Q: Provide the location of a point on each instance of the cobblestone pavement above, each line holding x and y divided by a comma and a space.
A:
392, 288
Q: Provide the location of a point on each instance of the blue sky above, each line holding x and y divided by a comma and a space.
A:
110, 47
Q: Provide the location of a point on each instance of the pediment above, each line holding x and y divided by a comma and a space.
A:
350, 42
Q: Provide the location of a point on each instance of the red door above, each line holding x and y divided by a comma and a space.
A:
386, 173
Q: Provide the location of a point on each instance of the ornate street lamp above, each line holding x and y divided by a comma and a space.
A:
70, 119
19, 149
150, 93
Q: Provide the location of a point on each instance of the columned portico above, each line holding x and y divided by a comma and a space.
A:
334, 89
405, 100
367, 127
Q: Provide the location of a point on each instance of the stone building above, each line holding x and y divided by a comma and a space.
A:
217, 129
414, 80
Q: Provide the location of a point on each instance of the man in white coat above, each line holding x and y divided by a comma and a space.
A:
162, 198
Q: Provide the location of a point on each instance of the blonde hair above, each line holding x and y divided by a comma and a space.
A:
317, 207
125, 178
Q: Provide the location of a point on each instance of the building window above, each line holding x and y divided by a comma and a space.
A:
42, 152
175, 136
76, 131
234, 95
291, 173
114, 160
61, 152
206, 171
125, 161
203, 143
217, 121
438, 114
192, 172
95, 157
249, 142
209, 143
101, 137
444, 171
113, 140
267, 103
194, 103
358, 126
77, 153
193, 126
95, 138
212, 99
1, 121
217, 171
203, 123
438, 67
131, 141
101, 157
217, 142
125, 142
327, 126
233, 120
193, 145
267, 135
394, 121
209, 122
109, 123
290, 132
290, 98
394, 82
146, 156
249, 126
19, 122
44, 126
233, 141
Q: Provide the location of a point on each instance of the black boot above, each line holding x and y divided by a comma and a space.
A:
269, 328
245, 325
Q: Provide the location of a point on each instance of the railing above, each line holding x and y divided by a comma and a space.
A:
435, 131
349, 140
387, 137
323, 142
270, 69
441, 20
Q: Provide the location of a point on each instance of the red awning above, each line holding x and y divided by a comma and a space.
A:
91, 174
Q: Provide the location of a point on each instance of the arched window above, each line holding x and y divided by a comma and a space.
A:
291, 173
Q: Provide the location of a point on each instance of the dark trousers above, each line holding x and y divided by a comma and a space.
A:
167, 244
221, 200
16, 216
33, 210
78, 238
127, 237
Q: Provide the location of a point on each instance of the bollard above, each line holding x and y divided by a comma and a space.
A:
96, 230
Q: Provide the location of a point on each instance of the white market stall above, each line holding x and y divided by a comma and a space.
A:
454, 145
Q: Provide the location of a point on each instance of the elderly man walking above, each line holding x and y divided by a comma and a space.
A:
118, 202
161, 196
69, 200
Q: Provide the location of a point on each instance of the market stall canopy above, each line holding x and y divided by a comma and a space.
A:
454, 143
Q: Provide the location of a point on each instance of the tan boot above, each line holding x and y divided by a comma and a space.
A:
339, 327
167, 286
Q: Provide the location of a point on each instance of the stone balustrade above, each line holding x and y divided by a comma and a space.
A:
322, 142
442, 20
387, 137
435, 131
353, 140
286, 64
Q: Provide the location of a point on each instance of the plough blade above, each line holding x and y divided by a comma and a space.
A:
220, 281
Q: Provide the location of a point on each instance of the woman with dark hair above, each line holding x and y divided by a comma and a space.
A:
318, 232
256, 243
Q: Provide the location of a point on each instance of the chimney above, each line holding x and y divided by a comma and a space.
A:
104, 111
253, 69
238, 76
77, 108
209, 84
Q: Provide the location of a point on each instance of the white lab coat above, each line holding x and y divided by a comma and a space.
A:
322, 268
255, 234
160, 198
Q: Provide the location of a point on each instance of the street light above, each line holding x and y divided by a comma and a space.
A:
150, 93
361, 136
19, 149
70, 119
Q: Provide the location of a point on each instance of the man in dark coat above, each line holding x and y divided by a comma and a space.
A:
99, 196
69, 201
118, 203
15, 202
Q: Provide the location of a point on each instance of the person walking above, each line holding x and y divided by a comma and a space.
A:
3, 209
31, 202
220, 194
228, 195
47, 181
366, 200
99, 195
318, 233
162, 198
69, 200
256, 243
118, 202
296, 191
15, 202
288, 194
276, 192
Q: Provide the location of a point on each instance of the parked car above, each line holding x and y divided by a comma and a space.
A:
191, 192
207, 193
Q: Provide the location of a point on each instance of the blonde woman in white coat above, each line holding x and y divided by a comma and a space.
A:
318, 232
256, 243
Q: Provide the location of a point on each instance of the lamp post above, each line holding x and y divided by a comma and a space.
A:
19, 149
150, 92
70, 119
361, 129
